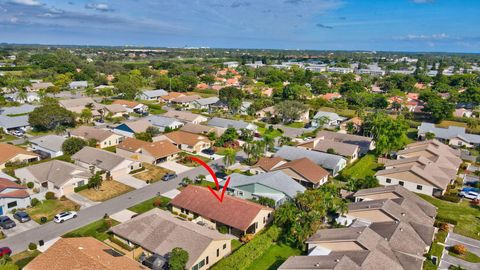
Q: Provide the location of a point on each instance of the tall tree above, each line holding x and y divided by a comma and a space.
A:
389, 134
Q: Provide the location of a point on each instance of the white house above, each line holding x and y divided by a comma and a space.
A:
49, 144
12, 196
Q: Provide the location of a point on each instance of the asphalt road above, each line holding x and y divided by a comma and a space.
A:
51, 230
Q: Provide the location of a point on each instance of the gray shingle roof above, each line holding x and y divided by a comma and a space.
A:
14, 121
227, 123
50, 142
99, 158
330, 115
162, 121
327, 161
56, 171
448, 133
155, 93
207, 101
22, 109
275, 180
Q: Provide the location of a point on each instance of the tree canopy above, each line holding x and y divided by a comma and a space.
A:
50, 117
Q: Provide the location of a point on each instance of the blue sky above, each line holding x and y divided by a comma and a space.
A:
395, 25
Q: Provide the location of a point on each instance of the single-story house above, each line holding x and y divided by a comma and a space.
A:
329, 119
104, 138
204, 103
228, 123
115, 110
9, 123
453, 135
37, 86
112, 164
12, 153
149, 152
88, 253
78, 85
152, 94
189, 142
349, 151
239, 216
202, 129
17, 110
205, 247
163, 123
364, 144
132, 106
29, 97
129, 128
171, 95
333, 163
277, 186
12, 196
76, 105
49, 145
185, 101
186, 117
57, 176
304, 171
269, 113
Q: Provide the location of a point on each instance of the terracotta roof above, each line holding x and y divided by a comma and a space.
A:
157, 149
173, 95
306, 168
88, 132
234, 212
182, 137
267, 163
8, 151
81, 253
127, 103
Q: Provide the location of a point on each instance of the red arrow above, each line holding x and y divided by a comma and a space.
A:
210, 171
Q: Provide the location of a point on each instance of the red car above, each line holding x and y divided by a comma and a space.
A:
5, 251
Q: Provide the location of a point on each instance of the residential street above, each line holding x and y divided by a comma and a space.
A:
19, 242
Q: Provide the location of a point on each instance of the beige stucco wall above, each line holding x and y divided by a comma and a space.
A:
410, 185
113, 140
211, 252
19, 158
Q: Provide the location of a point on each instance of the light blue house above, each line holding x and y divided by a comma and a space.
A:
277, 186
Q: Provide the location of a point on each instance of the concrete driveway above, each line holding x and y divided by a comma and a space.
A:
131, 181
471, 244
80, 200
174, 166
122, 216
21, 227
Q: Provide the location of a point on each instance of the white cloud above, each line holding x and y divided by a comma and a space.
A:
98, 6
27, 2
414, 37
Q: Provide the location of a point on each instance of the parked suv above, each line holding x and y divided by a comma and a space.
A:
6, 223
21, 216
64, 216
472, 195
169, 176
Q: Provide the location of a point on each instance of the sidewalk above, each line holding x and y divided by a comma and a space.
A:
131, 181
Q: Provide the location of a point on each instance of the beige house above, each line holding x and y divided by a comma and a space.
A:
238, 215
349, 151
104, 138
185, 116
187, 141
426, 167
149, 152
205, 247
12, 153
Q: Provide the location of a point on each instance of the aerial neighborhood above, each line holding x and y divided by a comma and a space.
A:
319, 161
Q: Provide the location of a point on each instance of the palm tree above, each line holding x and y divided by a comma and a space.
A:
229, 157
284, 140
269, 143
22, 95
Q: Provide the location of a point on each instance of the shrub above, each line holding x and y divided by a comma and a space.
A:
175, 213
158, 203
459, 249
450, 198
444, 227
34, 202
30, 184
63, 198
80, 188
43, 219
50, 195
32, 246
120, 243
182, 216
222, 229
246, 238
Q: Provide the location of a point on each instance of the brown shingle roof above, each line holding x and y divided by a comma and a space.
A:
88, 132
8, 151
182, 115
128, 103
157, 149
182, 137
267, 163
306, 168
83, 253
234, 212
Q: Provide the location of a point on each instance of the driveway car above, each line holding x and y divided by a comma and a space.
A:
169, 176
5, 251
21, 216
472, 195
64, 216
208, 151
6, 223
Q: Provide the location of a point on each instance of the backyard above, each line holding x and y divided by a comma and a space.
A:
49, 208
466, 215
150, 204
365, 166
152, 173
109, 189
97, 229
274, 257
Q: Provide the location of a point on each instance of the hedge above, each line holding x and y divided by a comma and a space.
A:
80, 188
120, 243
244, 256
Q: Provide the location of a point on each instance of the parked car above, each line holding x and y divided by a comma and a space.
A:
208, 151
7, 223
169, 176
21, 216
5, 251
472, 195
64, 216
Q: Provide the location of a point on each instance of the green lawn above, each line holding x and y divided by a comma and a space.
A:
274, 257
23, 258
97, 229
365, 166
110, 149
467, 216
49, 208
236, 244
296, 125
469, 257
148, 205
7, 138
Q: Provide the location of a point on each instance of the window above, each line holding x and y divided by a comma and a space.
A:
400, 183
419, 187
206, 260
224, 246
12, 204
388, 180
80, 183
201, 264
218, 252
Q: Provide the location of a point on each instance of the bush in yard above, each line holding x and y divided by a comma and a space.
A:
177, 259
459, 249
63, 198
183, 216
43, 219
50, 196
32, 246
246, 238
222, 229
158, 203
34, 202
444, 227
30, 185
